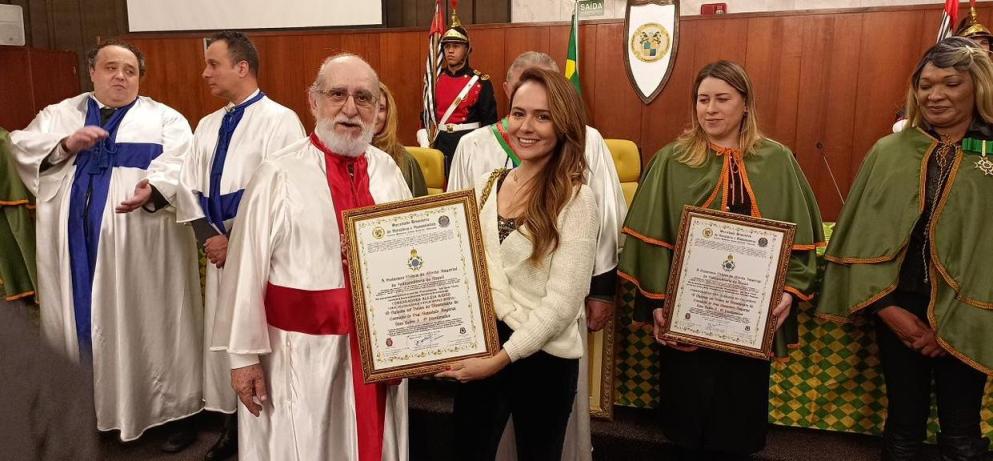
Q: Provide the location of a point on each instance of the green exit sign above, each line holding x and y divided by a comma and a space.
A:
590, 8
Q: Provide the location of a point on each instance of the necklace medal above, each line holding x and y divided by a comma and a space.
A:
984, 163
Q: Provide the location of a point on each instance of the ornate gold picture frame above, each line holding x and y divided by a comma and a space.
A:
420, 288
727, 275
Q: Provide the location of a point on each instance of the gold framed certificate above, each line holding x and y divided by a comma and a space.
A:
420, 288
601, 358
727, 276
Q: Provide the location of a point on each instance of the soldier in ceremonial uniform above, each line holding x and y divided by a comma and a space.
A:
463, 95
971, 28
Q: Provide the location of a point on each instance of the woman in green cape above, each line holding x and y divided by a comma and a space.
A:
912, 249
714, 405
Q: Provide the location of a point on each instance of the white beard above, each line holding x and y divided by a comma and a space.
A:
344, 145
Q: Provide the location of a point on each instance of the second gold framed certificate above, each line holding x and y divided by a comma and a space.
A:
728, 273
420, 288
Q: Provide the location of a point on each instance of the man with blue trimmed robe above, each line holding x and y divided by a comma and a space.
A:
228, 146
118, 291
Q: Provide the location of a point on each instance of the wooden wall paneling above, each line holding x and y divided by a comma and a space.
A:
97, 19
492, 11
669, 114
466, 10
884, 65
121, 24
930, 20
402, 69
66, 32
519, 40
424, 12
290, 65
173, 75
985, 13
55, 76
720, 38
835, 77
287, 66
489, 57
588, 66
620, 110
558, 45
364, 44
826, 99
558, 48
772, 60
38, 24
398, 12
15, 94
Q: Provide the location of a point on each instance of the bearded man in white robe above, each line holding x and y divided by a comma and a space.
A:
118, 291
285, 309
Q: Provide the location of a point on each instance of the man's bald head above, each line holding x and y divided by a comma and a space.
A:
525, 60
345, 64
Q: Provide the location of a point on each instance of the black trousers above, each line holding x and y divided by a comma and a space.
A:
713, 405
539, 392
447, 142
908, 375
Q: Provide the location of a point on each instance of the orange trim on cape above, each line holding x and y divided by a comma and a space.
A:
798, 293
975, 302
20, 296
720, 182
647, 239
933, 322
648, 294
732, 155
938, 211
809, 247
876, 260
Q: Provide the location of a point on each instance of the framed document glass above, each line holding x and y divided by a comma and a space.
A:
727, 275
420, 288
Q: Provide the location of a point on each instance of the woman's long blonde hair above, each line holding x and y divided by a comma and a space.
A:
963, 55
693, 142
386, 139
556, 184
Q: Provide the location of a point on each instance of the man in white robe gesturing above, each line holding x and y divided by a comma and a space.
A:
285, 309
228, 146
118, 291
487, 149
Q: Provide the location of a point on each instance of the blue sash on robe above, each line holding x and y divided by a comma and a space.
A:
87, 200
218, 208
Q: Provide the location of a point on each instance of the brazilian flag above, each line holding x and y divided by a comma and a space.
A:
572, 57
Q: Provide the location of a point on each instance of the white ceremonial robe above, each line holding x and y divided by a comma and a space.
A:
146, 309
264, 128
286, 235
480, 152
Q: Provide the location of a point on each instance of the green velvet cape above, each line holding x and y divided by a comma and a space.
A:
17, 236
778, 190
870, 239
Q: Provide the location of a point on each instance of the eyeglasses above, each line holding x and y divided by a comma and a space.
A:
363, 99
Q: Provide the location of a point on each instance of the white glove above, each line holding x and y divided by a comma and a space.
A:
422, 138
898, 126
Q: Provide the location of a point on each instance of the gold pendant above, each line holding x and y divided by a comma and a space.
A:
985, 165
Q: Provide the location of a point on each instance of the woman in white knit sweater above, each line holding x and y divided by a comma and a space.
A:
539, 227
